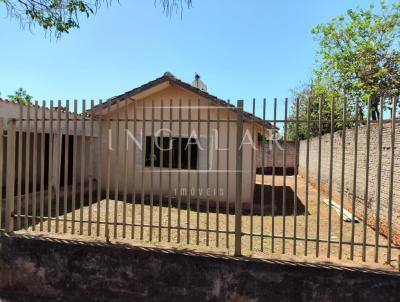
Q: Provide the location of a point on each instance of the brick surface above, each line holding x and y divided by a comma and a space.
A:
374, 206
278, 147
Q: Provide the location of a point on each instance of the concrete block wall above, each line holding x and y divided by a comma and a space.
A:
278, 147
361, 166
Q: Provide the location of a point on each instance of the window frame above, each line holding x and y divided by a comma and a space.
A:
194, 161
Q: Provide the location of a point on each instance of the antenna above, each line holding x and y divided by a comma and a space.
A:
199, 83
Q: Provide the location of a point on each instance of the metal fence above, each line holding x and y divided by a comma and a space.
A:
184, 172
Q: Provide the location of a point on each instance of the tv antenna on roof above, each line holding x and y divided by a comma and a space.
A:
199, 84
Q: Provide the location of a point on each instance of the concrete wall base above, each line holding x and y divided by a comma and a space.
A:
87, 271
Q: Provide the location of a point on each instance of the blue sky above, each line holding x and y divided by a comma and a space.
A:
242, 49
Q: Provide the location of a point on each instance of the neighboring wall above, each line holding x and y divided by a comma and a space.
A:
279, 148
361, 171
61, 270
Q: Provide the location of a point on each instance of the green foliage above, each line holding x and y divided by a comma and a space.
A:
313, 103
20, 96
358, 59
60, 16
56, 16
359, 52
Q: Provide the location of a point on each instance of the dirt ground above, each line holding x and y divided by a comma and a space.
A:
135, 222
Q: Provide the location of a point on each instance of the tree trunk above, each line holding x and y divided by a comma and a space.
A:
375, 108
360, 113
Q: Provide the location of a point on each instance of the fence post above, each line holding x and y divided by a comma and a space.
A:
238, 201
1, 171
9, 219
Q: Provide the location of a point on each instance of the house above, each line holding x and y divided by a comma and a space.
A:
205, 170
166, 138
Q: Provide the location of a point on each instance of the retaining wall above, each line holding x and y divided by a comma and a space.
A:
89, 271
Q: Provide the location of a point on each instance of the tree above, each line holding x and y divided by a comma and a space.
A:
358, 58
359, 53
60, 16
20, 96
307, 99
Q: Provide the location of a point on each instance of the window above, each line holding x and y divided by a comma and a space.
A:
167, 148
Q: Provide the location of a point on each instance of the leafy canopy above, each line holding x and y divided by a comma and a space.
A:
60, 16
20, 96
358, 58
359, 52
310, 97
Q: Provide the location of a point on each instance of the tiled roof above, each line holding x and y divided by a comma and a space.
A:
169, 77
55, 107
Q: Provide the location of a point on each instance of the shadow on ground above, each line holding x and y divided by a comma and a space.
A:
285, 201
